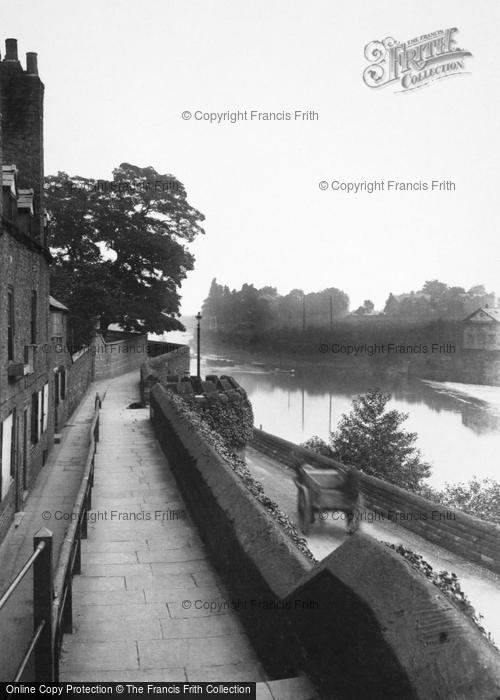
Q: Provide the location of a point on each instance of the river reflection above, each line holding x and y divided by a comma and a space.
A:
458, 425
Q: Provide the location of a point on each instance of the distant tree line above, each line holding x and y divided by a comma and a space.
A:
250, 310
438, 300
263, 320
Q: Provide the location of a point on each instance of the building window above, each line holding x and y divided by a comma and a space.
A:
34, 418
10, 324
33, 317
45, 407
6, 454
57, 326
56, 388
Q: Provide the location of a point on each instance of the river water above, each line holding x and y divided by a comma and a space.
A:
458, 425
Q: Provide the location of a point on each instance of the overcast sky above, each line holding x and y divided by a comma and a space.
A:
118, 75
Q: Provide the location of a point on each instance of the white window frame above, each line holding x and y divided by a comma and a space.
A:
45, 407
6, 431
39, 417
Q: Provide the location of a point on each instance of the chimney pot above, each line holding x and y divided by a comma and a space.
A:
32, 63
11, 50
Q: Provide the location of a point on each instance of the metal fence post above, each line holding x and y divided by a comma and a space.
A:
83, 518
67, 613
77, 568
42, 606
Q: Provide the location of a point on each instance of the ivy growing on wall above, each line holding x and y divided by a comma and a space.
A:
233, 421
224, 449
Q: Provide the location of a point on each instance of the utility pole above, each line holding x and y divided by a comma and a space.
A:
303, 416
303, 312
331, 315
198, 319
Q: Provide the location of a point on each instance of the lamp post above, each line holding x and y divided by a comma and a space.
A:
198, 319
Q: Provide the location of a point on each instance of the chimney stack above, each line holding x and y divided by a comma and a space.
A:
21, 108
10, 50
32, 63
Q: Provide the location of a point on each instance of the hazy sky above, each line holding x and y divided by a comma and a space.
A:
118, 75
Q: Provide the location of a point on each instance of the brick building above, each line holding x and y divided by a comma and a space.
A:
26, 353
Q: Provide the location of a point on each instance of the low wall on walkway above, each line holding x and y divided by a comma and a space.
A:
476, 540
362, 623
118, 356
174, 360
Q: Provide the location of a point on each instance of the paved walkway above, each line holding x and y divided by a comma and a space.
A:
55, 489
138, 605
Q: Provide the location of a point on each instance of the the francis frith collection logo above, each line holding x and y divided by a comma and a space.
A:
416, 62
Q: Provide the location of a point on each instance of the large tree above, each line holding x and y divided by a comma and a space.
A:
372, 439
120, 248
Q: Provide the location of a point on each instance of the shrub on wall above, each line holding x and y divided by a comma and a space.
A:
318, 445
233, 421
480, 498
223, 448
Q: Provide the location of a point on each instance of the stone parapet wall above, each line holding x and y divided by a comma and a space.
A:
175, 360
119, 356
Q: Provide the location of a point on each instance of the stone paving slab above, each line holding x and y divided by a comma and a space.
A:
226, 650
176, 540
133, 569
165, 581
205, 627
152, 675
133, 608
98, 583
98, 656
112, 546
158, 554
107, 599
240, 672
111, 558
156, 593
191, 566
118, 629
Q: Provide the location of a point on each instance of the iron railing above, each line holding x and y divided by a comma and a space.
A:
52, 591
